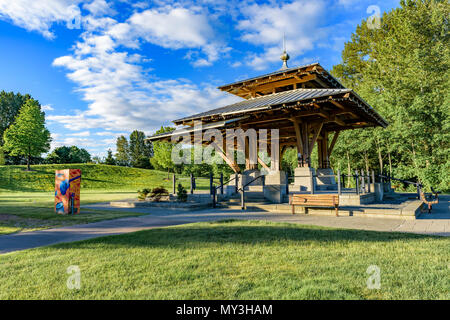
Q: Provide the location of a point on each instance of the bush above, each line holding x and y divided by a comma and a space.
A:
142, 194
158, 192
181, 193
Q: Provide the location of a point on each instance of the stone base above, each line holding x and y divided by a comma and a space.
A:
303, 180
246, 177
325, 176
379, 192
275, 186
275, 193
275, 178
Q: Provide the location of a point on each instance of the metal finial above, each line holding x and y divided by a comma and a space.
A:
284, 57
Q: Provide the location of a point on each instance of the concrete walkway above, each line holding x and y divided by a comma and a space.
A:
437, 223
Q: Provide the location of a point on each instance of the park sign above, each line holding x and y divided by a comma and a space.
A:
67, 191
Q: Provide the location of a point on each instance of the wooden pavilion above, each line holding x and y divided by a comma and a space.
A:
308, 106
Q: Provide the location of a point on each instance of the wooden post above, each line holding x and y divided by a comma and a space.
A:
236, 181
242, 199
339, 181
221, 183
287, 183
214, 197
192, 184
174, 182
211, 183
363, 185
357, 182
311, 179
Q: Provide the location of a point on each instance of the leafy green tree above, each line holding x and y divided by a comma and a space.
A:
10, 104
402, 70
28, 135
123, 151
162, 157
110, 159
66, 154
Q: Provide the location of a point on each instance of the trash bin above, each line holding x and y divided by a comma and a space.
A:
67, 191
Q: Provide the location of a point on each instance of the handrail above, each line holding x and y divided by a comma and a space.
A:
234, 178
249, 183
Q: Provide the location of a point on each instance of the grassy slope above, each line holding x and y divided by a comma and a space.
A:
27, 198
234, 260
94, 176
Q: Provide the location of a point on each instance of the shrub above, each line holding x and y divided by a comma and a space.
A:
158, 192
142, 194
181, 193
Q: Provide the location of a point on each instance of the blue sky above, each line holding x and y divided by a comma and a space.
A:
104, 68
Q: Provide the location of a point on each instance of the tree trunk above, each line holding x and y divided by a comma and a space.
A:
349, 170
380, 157
28, 162
390, 164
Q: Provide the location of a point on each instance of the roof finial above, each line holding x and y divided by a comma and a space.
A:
284, 57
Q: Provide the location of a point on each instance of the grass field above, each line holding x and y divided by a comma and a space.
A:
27, 198
94, 176
234, 260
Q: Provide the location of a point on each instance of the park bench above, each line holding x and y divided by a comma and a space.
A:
429, 199
315, 200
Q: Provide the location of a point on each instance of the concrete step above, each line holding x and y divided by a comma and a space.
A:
324, 187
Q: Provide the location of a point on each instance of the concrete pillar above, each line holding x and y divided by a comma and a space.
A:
275, 186
304, 179
325, 176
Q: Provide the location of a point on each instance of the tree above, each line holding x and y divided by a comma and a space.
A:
162, 157
10, 104
28, 135
123, 151
402, 70
140, 150
71, 154
110, 159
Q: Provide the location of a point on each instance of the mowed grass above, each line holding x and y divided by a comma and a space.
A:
27, 198
234, 260
28, 211
94, 177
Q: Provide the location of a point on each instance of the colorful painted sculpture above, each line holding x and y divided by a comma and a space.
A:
67, 191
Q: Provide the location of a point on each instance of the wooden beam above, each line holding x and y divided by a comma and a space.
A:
233, 165
333, 142
314, 139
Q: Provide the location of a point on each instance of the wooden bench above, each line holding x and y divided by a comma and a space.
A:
315, 200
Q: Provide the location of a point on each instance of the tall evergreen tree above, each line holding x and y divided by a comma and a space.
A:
123, 151
140, 150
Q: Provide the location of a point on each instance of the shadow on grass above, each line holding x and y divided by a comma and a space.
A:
248, 232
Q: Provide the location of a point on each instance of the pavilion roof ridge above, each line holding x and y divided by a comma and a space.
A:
280, 71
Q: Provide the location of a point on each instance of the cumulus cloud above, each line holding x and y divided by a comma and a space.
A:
265, 24
41, 15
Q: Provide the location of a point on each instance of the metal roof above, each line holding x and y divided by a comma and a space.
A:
264, 102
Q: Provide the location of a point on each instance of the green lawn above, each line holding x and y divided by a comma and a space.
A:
27, 198
94, 176
234, 260
27, 211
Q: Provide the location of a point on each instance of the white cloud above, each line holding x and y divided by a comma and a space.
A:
40, 15
47, 107
81, 134
98, 8
265, 24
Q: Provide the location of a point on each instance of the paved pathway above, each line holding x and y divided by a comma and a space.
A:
438, 223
